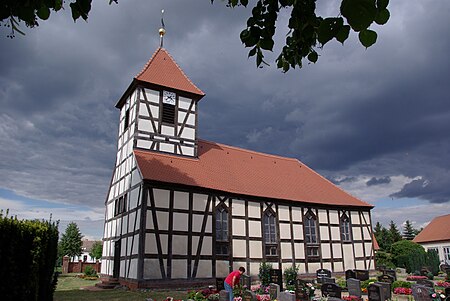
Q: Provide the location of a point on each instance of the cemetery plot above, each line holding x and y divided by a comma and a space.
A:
354, 287
421, 292
331, 290
386, 278
321, 274
274, 291
276, 277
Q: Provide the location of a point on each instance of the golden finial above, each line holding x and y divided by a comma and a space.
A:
162, 30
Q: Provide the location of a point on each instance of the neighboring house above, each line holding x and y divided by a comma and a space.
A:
86, 248
436, 236
185, 209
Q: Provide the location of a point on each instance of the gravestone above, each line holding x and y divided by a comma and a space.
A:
386, 288
219, 284
426, 282
391, 272
331, 290
322, 273
301, 290
381, 268
424, 271
224, 295
386, 278
285, 296
445, 268
362, 275
421, 292
354, 287
246, 281
350, 274
274, 291
248, 295
276, 277
375, 292
447, 291
328, 280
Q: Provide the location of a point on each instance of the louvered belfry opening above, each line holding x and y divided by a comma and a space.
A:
168, 113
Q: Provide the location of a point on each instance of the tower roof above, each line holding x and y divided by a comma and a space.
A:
162, 70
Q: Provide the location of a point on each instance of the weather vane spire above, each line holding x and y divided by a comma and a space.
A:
162, 30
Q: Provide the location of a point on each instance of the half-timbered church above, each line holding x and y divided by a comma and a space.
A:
181, 208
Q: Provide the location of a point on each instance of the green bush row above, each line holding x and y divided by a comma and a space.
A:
28, 252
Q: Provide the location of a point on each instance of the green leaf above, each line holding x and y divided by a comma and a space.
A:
382, 17
266, 44
75, 11
382, 4
325, 31
359, 13
252, 52
244, 2
43, 13
367, 37
343, 33
313, 56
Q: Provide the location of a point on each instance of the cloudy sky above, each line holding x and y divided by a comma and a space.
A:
374, 121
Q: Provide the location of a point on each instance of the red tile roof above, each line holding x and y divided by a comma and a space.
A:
376, 247
162, 70
239, 171
437, 230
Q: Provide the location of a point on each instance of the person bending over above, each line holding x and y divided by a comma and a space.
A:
232, 280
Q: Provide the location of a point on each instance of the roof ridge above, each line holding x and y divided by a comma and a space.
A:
252, 151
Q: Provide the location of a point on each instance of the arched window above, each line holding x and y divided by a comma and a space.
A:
311, 238
270, 233
222, 239
345, 227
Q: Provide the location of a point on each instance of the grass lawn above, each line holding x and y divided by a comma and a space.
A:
68, 289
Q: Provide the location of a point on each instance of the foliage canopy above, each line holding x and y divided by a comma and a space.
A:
97, 249
307, 31
71, 241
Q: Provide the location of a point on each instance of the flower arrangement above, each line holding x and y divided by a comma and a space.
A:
415, 278
443, 284
351, 298
402, 291
437, 296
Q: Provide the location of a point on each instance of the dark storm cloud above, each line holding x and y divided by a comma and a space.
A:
378, 181
383, 111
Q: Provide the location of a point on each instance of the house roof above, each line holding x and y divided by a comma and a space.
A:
437, 230
244, 172
162, 70
88, 244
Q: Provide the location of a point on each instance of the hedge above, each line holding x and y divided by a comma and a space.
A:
28, 252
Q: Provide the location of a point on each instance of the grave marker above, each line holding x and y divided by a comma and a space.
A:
249, 296
421, 292
274, 291
386, 278
350, 274
276, 277
224, 295
354, 287
391, 272
331, 290
220, 284
322, 273
375, 292
328, 280
386, 288
361, 274
285, 296
301, 290
246, 281
426, 282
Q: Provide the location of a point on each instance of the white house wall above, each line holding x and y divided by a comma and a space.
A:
443, 248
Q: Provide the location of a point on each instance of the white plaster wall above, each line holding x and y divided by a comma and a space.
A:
184, 103
323, 216
335, 233
356, 233
188, 133
152, 95
440, 246
254, 269
144, 144
254, 229
179, 269
239, 227
298, 231
296, 214
327, 265
161, 198
238, 207
301, 267
285, 231
200, 201
326, 251
286, 250
145, 125
313, 267
180, 221
150, 244
133, 198
133, 269
348, 257
168, 130
207, 246
324, 234
204, 269
337, 251
355, 218
299, 250
163, 220
360, 264
368, 247
239, 248
151, 269
166, 147
187, 150
283, 213
338, 267
179, 245
254, 210
255, 249
359, 250
222, 269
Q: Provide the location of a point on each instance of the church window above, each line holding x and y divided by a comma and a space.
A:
222, 239
311, 238
126, 120
345, 228
168, 113
270, 234
120, 205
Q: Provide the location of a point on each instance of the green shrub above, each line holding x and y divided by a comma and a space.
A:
430, 276
28, 252
432, 261
290, 275
384, 258
365, 283
341, 282
399, 283
90, 271
264, 273
409, 255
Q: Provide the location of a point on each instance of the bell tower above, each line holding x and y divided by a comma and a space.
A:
159, 108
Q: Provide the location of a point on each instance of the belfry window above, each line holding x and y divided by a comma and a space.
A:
345, 228
222, 239
126, 121
270, 233
168, 113
311, 238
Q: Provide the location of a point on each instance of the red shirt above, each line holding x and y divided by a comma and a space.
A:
229, 278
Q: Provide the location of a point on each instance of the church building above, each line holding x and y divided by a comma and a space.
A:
188, 210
